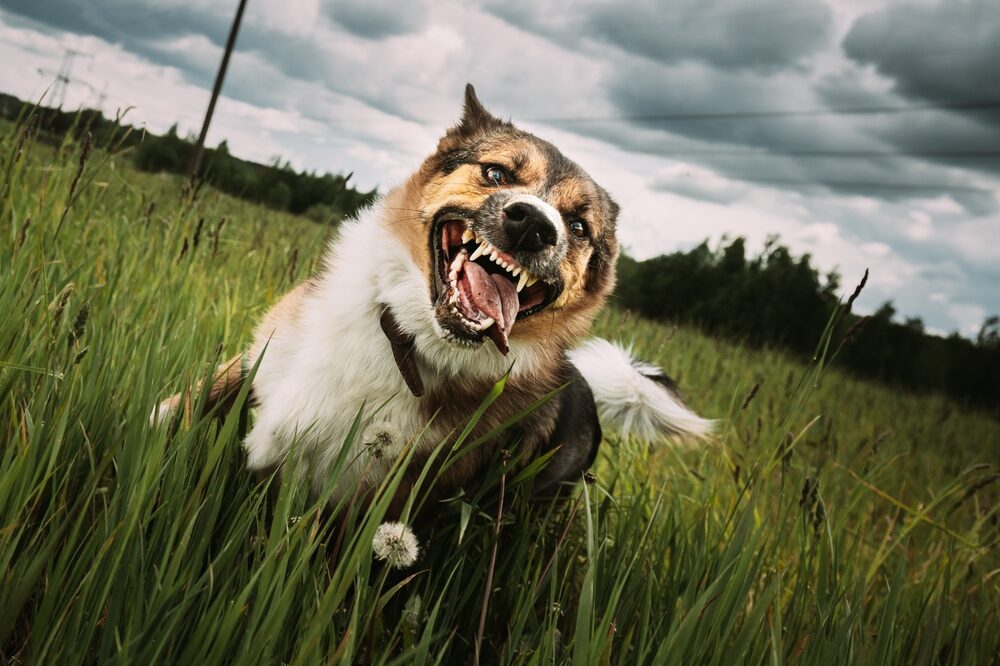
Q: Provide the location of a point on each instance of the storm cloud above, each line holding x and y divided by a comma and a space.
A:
864, 136
376, 19
720, 33
764, 94
946, 52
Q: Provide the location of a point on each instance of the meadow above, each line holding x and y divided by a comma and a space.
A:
830, 521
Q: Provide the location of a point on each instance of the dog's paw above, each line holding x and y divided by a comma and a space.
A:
163, 412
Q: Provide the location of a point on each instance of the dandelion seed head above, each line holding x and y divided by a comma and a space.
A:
395, 544
379, 441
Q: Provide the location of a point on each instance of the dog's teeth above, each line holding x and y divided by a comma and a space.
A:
478, 253
509, 268
467, 235
532, 280
522, 281
493, 256
516, 271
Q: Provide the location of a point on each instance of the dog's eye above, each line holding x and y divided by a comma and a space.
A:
496, 175
578, 228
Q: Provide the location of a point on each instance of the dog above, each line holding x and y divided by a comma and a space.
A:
490, 261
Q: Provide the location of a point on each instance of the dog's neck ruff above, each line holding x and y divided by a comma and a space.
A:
403, 352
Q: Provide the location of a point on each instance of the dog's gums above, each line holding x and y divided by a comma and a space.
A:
485, 289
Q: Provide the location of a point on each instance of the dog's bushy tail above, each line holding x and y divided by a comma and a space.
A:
635, 399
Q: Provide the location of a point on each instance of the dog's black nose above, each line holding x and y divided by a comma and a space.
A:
527, 227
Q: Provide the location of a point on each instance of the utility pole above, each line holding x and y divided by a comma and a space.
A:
63, 77
199, 149
102, 97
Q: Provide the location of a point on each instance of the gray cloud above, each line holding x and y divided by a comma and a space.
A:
692, 59
146, 30
678, 72
699, 185
139, 28
724, 33
947, 52
852, 154
377, 19
123, 22
944, 55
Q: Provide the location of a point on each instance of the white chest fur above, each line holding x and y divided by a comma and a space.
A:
331, 360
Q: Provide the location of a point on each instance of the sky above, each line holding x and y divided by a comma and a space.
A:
864, 133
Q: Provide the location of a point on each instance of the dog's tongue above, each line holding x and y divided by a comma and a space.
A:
494, 296
507, 295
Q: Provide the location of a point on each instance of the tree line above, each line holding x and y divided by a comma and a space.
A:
327, 198
775, 299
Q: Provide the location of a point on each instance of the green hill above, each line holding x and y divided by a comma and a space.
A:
832, 521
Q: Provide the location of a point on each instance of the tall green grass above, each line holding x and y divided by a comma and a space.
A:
831, 521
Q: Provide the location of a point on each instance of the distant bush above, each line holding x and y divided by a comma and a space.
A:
778, 300
276, 185
279, 196
324, 214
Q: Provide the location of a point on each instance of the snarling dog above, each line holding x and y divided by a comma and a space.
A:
491, 260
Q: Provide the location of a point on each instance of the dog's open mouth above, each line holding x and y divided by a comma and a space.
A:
486, 290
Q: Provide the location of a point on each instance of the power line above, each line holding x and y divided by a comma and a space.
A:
698, 116
838, 154
775, 8
984, 105
63, 77
861, 185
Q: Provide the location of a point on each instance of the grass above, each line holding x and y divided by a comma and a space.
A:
832, 521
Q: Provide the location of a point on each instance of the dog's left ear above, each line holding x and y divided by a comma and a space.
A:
475, 119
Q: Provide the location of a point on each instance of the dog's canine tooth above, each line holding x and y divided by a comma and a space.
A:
467, 235
480, 251
532, 280
522, 281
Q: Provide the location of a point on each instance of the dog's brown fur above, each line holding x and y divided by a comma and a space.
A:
452, 177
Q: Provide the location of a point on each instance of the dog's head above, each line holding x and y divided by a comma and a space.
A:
517, 241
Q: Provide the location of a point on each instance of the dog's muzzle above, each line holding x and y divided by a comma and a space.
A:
496, 266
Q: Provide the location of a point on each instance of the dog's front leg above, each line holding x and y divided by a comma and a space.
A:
576, 438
